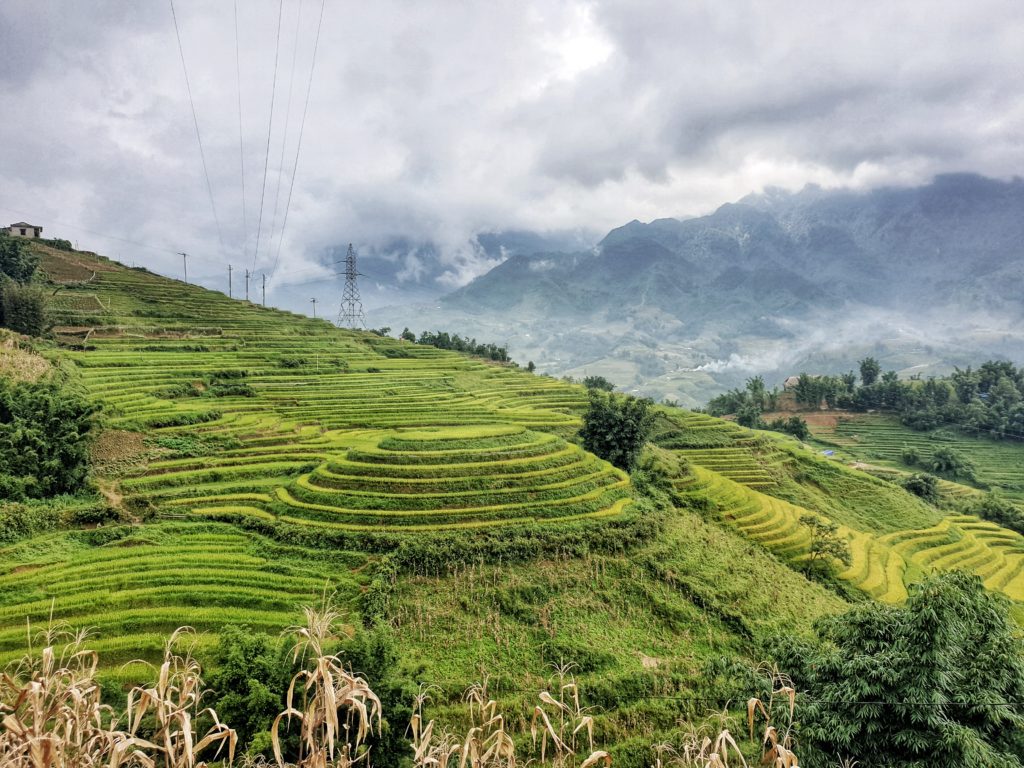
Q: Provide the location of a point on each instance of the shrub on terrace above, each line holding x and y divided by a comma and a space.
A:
616, 428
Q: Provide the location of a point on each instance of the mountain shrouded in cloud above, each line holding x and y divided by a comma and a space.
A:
776, 283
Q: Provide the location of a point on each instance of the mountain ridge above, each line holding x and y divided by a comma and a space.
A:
769, 270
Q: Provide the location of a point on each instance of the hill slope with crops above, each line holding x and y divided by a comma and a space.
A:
249, 459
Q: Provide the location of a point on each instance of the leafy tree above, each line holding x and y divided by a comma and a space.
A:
923, 485
794, 425
44, 434
999, 510
948, 461
22, 308
826, 543
936, 683
869, 371
17, 261
910, 456
598, 382
756, 388
749, 415
444, 340
616, 428
250, 678
531, 367
407, 335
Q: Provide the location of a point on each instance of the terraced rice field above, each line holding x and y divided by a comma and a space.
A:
131, 588
881, 438
441, 478
232, 411
881, 565
765, 519
319, 427
722, 447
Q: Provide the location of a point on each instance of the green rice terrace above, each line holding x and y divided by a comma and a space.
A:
881, 439
250, 459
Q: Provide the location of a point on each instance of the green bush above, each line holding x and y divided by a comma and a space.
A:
936, 682
616, 428
44, 434
23, 308
17, 261
56, 242
923, 485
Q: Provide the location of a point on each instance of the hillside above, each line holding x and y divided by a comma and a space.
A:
249, 459
923, 278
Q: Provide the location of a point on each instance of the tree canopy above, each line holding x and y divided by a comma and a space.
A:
17, 261
937, 682
616, 427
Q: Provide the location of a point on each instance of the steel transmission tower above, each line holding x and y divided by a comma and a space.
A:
350, 315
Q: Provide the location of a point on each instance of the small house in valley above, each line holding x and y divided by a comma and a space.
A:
23, 229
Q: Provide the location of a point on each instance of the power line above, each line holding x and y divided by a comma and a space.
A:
287, 121
241, 143
298, 146
195, 121
270, 125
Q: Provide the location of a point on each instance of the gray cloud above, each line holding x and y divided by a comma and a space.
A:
434, 122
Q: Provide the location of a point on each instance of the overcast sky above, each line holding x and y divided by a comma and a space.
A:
437, 120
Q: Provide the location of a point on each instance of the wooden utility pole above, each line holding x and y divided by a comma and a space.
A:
314, 308
229, 282
184, 261
264, 289
247, 285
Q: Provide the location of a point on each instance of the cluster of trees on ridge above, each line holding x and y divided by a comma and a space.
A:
44, 439
456, 343
987, 401
22, 305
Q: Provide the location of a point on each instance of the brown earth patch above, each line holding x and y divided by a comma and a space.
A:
823, 419
19, 364
28, 568
116, 451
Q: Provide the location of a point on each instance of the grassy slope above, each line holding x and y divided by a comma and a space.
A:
344, 429
880, 439
762, 483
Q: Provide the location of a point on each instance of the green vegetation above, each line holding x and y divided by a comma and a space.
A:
616, 428
18, 262
882, 440
454, 342
44, 432
22, 306
246, 460
937, 682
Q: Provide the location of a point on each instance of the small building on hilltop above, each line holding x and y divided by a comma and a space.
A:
23, 229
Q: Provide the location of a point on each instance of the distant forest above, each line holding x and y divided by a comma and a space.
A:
986, 401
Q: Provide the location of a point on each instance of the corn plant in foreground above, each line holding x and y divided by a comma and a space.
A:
712, 745
52, 714
315, 697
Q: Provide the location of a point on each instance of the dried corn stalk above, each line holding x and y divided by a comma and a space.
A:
316, 697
